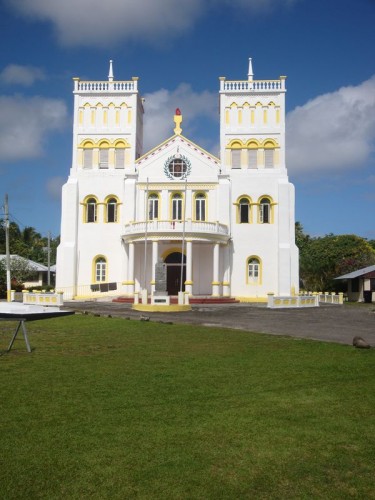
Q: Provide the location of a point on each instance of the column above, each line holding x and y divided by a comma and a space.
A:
189, 267
226, 282
216, 282
155, 254
131, 269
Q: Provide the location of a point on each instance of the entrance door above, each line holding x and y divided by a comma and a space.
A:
173, 262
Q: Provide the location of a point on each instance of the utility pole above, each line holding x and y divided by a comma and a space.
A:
6, 218
49, 259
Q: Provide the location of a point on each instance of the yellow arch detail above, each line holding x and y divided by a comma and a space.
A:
235, 144
253, 144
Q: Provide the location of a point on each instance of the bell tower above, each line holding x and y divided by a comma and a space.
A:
252, 122
108, 124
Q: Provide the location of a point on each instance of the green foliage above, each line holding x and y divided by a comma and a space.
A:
324, 258
108, 408
28, 243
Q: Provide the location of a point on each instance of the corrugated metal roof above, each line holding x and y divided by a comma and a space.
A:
356, 274
33, 265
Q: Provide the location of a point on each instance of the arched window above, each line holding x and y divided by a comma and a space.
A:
111, 210
87, 157
177, 207
103, 157
265, 211
236, 158
269, 158
100, 270
119, 157
244, 211
253, 270
200, 207
91, 210
153, 207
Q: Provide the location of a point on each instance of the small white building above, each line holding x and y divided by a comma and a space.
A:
224, 225
361, 284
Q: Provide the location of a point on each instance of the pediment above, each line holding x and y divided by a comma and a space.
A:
198, 165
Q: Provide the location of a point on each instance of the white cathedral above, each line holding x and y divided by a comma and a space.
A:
224, 227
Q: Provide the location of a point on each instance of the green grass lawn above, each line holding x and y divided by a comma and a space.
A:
110, 408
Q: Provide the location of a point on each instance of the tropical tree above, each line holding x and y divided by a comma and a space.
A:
324, 258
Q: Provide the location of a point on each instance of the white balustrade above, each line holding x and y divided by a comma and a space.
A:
104, 86
167, 226
252, 85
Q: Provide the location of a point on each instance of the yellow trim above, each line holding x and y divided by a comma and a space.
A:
86, 144
93, 116
154, 193
172, 195
260, 271
200, 193
189, 282
226, 283
80, 119
240, 116
272, 204
252, 117
227, 116
269, 144
215, 283
235, 144
84, 211
253, 299
183, 139
277, 115
265, 117
117, 117
127, 282
93, 269
238, 205
105, 117
106, 201
252, 144
161, 308
104, 143
129, 116
169, 251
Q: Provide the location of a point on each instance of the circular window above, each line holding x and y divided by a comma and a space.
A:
177, 167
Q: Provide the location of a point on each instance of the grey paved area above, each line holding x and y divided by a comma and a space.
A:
330, 323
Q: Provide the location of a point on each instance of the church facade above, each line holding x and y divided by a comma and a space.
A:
224, 227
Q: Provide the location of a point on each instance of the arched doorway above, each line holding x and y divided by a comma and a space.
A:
173, 262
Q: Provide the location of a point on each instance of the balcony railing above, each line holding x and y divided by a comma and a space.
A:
265, 86
120, 87
176, 228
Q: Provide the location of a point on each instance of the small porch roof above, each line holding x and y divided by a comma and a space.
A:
356, 274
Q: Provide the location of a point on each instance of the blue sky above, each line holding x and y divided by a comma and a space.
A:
178, 50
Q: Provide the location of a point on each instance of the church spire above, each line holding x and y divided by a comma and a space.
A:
110, 74
250, 73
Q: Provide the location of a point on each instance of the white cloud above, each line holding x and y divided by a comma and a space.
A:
160, 107
25, 123
94, 22
333, 132
54, 186
21, 75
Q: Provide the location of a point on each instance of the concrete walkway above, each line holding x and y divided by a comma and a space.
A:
330, 323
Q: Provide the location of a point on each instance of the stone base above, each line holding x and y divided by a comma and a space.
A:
160, 300
161, 308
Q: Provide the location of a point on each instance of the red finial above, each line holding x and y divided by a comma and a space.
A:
178, 111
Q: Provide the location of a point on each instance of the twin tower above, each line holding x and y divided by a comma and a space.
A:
224, 226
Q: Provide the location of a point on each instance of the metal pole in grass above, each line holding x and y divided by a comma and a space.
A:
183, 237
146, 229
6, 219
